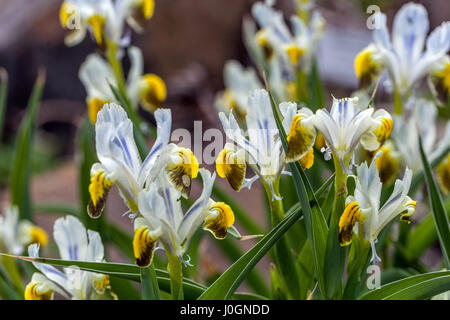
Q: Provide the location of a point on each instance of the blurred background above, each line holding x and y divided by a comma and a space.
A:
187, 43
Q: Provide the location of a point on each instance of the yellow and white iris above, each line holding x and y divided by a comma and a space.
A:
119, 159
406, 135
297, 49
362, 212
162, 218
238, 83
15, 235
104, 19
404, 56
262, 149
345, 126
148, 90
76, 244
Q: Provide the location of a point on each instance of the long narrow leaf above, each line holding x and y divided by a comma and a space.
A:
21, 165
228, 282
3, 97
421, 286
437, 208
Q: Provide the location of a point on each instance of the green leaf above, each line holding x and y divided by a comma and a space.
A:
149, 283
421, 286
440, 218
315, 223
228, 282
21, 165
3, 97
124, 288
56, 208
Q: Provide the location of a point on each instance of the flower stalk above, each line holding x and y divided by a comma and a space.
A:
175, 270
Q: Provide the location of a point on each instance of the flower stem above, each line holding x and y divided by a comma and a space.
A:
283, 254
175, 270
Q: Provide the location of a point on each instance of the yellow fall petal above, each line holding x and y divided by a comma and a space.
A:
294, 53
97, 23
94, 106
219, 220
307, 160
231, 167
347, 221
300, 139
98, 189
443, 174
32, 293
183, 171
143, 246
365, 68
154, 92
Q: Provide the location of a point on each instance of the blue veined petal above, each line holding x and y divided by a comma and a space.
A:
163, 119
49, 271
409, 31
196, 214
71, 238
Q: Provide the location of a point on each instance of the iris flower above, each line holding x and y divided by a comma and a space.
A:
362, 212
298, 48
75, 244
15, 235
262, 149
104, 19
406, 135
96, 74
120, 162
162, 218
238, 83
403, 55
345, 126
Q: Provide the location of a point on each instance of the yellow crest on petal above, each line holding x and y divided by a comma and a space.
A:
148, 8
347, 221
38, 235
294, 53
143, 246
98, 189
443, 174
94, 106
307, 160
221, 218
153, 93
231, 166
300, 139
411, 208
183, 170
263, 42
65, 13
32, 293
101, 283
444, 77
383, 131
365, 68
97, 22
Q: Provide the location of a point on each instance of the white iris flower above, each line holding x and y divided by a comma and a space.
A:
296, 49
238, 83
362, 212
262, 148
15, 235
75, 244
162, 218
404, 56
96, 75
406, 135
119, 159
345, 126
104, 19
